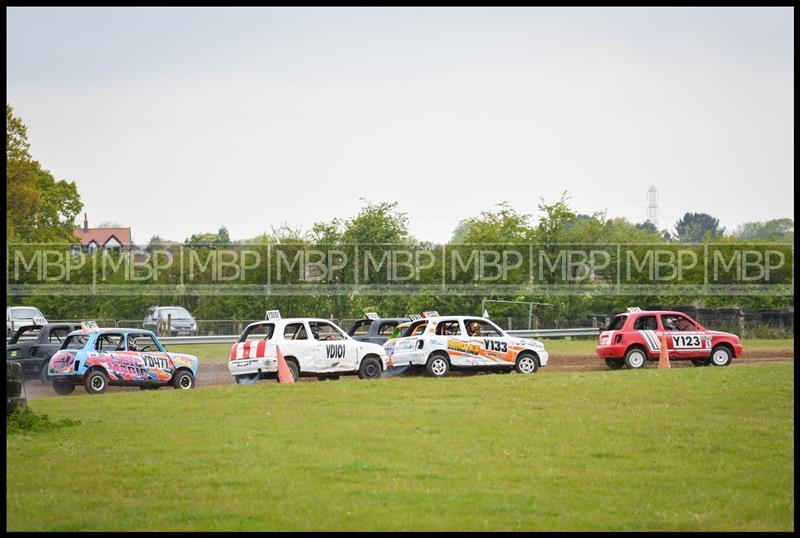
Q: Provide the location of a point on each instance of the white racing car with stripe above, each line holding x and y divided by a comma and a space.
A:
439, 342
310, 346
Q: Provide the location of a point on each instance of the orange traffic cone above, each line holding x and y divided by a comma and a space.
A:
663, 357
284, 374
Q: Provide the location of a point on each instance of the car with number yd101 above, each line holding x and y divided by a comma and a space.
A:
310, 346
97, 358
635, 337
440, 343
33, 345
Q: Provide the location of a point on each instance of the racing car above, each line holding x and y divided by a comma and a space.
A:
310, 346
438, 343
33, 345
633, 338
98, 358
374, 328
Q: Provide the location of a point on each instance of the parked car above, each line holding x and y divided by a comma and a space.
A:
33, 345
633, 338
182, 323
17, 316
97, 358
441, 342
311, 347
15, 387
374, 329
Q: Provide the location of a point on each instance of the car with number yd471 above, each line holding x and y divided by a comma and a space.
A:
97, 358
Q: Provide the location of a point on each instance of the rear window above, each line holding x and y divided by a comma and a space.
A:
26, 313
262, 331
360, 327
76, 341
416, 328
29, 334
617, 323
386, 329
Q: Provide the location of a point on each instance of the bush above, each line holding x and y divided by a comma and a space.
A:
25, 420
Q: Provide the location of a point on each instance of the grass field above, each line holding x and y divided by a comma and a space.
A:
679, 449
218, 353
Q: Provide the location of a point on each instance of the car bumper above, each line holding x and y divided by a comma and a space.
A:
252, 366
737, 350
610, 352
544, 356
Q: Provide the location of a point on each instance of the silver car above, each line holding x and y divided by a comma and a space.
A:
181, 322
17, 316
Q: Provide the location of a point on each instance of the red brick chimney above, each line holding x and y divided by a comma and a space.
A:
85, 224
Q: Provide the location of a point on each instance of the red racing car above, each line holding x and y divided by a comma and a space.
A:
633, 338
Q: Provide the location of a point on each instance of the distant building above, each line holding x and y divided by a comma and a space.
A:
93, 239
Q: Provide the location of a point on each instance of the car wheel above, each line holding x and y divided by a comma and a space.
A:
96, 382
635, 358
721, 356
370, 368
294, 369
526, 364
62, 388
43, 375
615, 364
437, 365
701, 362
183, 380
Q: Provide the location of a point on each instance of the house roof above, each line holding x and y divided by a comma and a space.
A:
102, 235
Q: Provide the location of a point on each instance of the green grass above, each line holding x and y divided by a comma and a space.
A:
679, 449
219, 353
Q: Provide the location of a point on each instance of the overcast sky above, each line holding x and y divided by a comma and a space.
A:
178, 121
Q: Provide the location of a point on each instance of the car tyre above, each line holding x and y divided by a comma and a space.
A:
294, 369
615, 364
526, 363
721, 356
635, 358
96, 382
183, 380
701, 362
62, 389
370, 368
437, 365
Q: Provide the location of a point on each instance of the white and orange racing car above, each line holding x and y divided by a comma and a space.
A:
441, 342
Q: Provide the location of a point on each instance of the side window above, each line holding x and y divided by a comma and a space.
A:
645, 323
142, 342
58, 335
677, 323
386, 329
416, 328
360, 327
262, 331
448, 328
324, 331
295, 331
482, 327
109, 342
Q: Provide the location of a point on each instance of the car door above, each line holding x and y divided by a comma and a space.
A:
333, 351
492, 343
295, 343
650, 332
684, 339
462, 351
155, 364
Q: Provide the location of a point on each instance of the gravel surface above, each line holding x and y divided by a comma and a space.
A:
217, 374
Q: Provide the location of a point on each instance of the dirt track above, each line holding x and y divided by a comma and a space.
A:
217, 374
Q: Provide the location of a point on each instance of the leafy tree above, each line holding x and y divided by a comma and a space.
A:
776, 229
695, 227
647, 226
224, 236
504, 225
39, 207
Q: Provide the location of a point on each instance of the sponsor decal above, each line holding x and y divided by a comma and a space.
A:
464, 347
